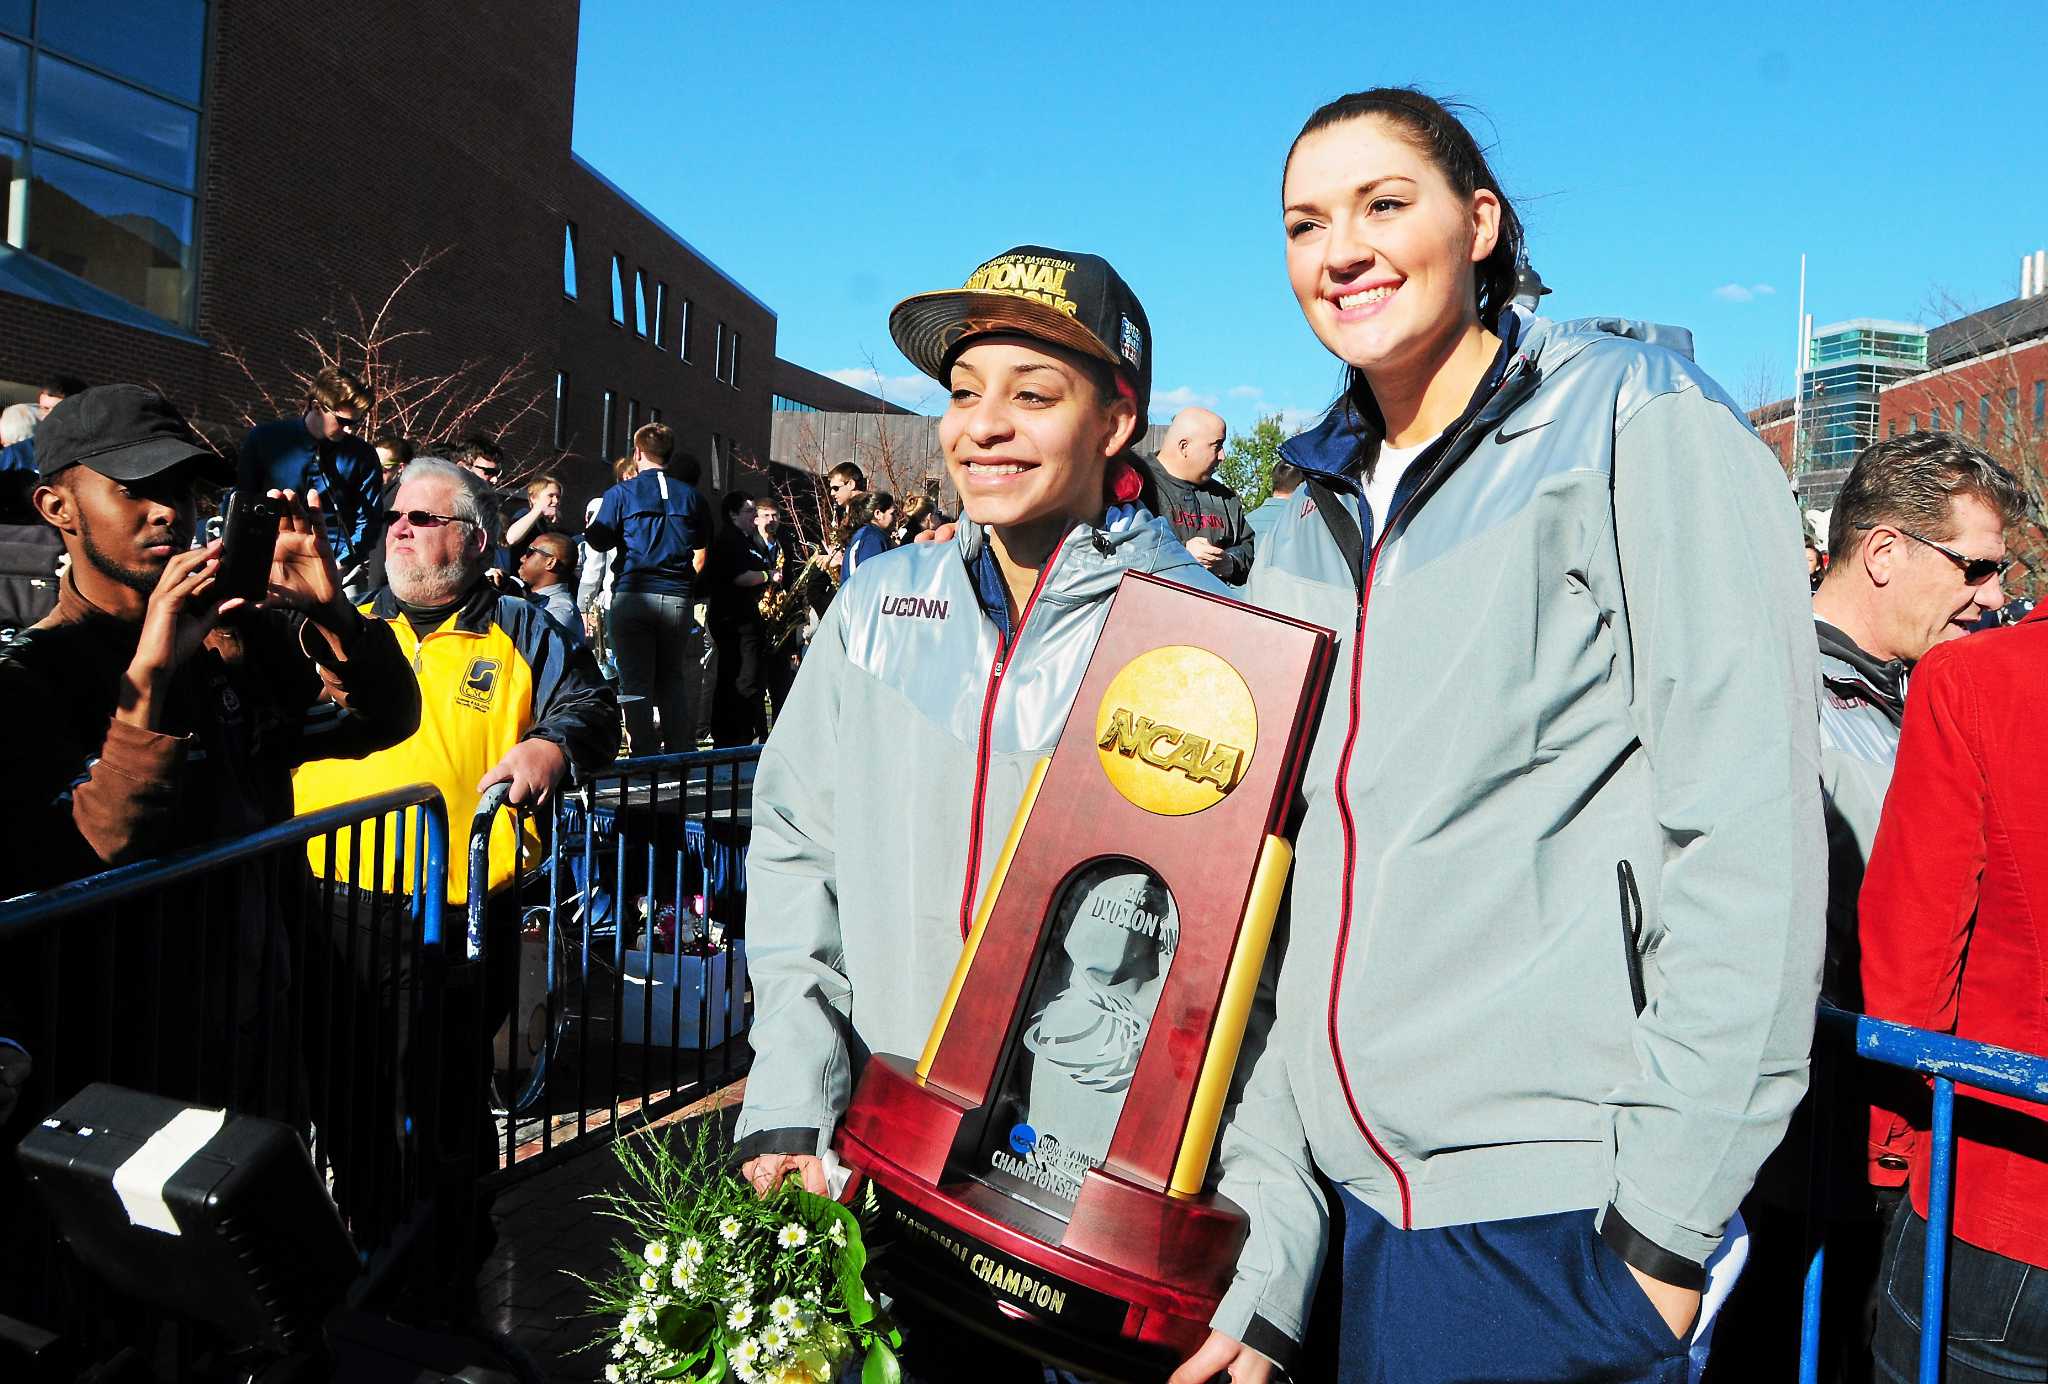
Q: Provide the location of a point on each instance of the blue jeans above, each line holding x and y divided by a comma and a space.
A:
1997, 1310
652, 640
1541, 1298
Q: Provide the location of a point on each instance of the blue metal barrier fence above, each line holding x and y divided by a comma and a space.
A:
1951, 1062
628, 992
231, 976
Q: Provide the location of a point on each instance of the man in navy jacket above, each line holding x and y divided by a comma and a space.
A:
323, 449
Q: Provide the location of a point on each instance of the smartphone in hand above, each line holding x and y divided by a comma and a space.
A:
248, 539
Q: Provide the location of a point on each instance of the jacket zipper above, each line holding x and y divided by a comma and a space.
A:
1344, 817
1004, 648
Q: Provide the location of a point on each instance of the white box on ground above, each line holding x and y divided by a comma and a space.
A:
673, 987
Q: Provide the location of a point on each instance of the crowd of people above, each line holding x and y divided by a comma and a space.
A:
1584, 833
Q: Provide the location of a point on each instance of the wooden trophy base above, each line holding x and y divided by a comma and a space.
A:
1123, 1290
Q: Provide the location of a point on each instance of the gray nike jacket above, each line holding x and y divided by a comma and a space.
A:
882, 801
1581, 653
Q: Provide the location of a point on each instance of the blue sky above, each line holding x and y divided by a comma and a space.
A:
1671, 162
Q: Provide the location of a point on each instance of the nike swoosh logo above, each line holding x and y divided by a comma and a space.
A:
1511, 436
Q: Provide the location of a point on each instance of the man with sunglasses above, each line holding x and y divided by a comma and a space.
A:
1917, 551
323, 450
506, 695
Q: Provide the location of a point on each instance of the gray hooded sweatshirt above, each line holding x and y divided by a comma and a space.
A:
1585, 646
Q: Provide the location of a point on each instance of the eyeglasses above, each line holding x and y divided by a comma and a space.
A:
422, 519
343, 421
1976, 570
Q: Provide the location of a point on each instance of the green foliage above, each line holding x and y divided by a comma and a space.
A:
724, 1282
1249, 460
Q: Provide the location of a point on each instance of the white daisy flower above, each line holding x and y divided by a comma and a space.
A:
649, 1283
618, 1350
730, 1227
782, 1311
644, 1344
681, 1276
746, 1353
792, 1236
612, 1375
692, 1252
773, 1340
656, 1254
740, 1316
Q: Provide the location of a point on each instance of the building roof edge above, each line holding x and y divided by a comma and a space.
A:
630, 200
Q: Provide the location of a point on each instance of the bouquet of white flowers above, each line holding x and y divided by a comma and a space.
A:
715, 1280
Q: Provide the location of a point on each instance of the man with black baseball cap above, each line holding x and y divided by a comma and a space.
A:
162, 717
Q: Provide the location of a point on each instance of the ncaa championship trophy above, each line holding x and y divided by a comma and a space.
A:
1040, 1168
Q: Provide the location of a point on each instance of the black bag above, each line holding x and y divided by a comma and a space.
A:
28, 575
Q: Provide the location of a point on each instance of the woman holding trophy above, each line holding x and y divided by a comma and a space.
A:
863, 882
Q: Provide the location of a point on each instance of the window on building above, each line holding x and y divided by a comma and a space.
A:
611, 419
683, 331
661, 315
718, 352
654, 415
569, 259
1957, 414
618, 292
1891, 427
717, 462
784, 404
2010, 423
732, 364
640, 303
632, 417
561, 410
2040, 404
98, 171
1983, 417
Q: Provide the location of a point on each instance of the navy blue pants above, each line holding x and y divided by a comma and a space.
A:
1997, 1311
1540, 1298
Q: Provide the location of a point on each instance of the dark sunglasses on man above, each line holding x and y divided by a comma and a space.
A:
1976, 570
422, 518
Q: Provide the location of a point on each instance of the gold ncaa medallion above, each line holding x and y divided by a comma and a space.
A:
1176, 730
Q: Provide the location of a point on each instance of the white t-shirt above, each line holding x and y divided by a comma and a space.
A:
1386, 478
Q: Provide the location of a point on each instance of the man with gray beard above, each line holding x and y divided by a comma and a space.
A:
506, 697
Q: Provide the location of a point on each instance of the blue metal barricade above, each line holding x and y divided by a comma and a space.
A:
1951, 1062
232, 976
628, 996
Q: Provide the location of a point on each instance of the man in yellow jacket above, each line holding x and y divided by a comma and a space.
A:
505, 696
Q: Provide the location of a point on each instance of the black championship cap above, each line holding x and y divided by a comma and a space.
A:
122, 431
1071, 300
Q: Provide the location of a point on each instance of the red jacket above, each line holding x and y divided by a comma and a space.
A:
1954, 915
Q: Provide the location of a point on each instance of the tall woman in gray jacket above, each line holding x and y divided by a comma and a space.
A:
1555, 914
962, 658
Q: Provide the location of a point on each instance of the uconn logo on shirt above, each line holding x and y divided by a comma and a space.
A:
917, 607
1195, 519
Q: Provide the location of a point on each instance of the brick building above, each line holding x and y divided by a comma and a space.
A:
1983, 376
194, 181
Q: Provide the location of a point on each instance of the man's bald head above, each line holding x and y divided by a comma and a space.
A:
1193, 448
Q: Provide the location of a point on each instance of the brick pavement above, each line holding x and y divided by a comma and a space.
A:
548, 1230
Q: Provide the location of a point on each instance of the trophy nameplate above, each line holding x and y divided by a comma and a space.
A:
1041, 1166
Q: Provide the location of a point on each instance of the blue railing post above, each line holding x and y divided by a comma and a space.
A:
1940, 1182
